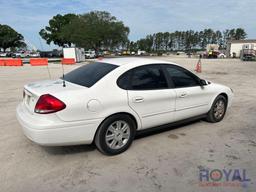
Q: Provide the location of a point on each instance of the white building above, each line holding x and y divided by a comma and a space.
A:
234, 47
74, 53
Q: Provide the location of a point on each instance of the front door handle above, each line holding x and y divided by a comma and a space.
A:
138, 99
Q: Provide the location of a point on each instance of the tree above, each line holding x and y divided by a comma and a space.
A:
233, 34
97, 30
9, 38
55, 31
146, 44
190, 39
219, 39
166, 39
133, 46
226, 37
240, 34
171, 41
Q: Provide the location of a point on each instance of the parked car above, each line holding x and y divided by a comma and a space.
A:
18, 55
118, 53
180, 53
57, 53
3, 54
141, 52
99, 54
106, 53
46, 54
248, 53
108, 101
222, 56
90, 54
125, 52
189, 54
34, 54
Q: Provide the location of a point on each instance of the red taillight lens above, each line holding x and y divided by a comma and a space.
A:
48, 104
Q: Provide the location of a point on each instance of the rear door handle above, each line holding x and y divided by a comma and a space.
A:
182, 95
138, 99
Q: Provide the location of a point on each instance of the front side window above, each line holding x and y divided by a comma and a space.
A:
89, 74
147, 78
181, 77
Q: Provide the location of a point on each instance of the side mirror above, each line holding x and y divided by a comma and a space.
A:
203, 82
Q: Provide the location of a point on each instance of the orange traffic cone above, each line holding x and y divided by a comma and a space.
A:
198, 68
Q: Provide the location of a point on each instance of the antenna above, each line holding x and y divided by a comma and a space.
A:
63, 76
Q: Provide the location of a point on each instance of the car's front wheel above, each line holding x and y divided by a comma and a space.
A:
218, 110
115, 134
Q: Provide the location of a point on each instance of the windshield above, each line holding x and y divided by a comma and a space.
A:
89, 74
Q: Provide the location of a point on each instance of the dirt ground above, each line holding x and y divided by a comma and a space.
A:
169, 160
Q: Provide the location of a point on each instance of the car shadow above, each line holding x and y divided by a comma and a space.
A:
161, 129
66, 150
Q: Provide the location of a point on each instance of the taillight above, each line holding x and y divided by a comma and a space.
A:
48, 104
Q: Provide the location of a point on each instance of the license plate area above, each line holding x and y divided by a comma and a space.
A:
28, 100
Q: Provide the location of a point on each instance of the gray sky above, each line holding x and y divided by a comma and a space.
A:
142, 16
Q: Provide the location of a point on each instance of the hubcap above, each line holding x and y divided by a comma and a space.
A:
117, 134
219, 109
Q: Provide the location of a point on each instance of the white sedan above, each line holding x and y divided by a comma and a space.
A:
106, 102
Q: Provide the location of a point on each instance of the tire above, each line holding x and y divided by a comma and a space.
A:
115, 134
218, 109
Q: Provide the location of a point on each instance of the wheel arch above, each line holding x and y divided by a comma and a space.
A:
119, 113
224, 95
213, 99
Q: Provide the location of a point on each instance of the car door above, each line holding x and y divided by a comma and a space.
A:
150, 97
192, 98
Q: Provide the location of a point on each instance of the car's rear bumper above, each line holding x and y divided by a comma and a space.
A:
55, 133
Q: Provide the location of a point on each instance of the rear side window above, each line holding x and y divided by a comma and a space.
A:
181, 77
89, 74
148, 77
124, 81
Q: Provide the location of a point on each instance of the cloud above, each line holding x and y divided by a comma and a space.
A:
142, 16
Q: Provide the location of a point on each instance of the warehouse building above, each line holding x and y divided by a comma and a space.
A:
234, 47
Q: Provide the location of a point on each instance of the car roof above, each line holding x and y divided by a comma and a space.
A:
133, 60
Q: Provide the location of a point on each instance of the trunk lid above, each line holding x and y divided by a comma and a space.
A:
33, 91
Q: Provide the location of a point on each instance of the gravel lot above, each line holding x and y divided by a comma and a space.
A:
169, 160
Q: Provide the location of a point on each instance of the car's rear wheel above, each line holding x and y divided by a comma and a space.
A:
218, 110
115, 134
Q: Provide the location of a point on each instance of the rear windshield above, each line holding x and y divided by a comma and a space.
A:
89, 74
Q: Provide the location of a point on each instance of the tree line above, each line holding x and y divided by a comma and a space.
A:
186, 40
99, 30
